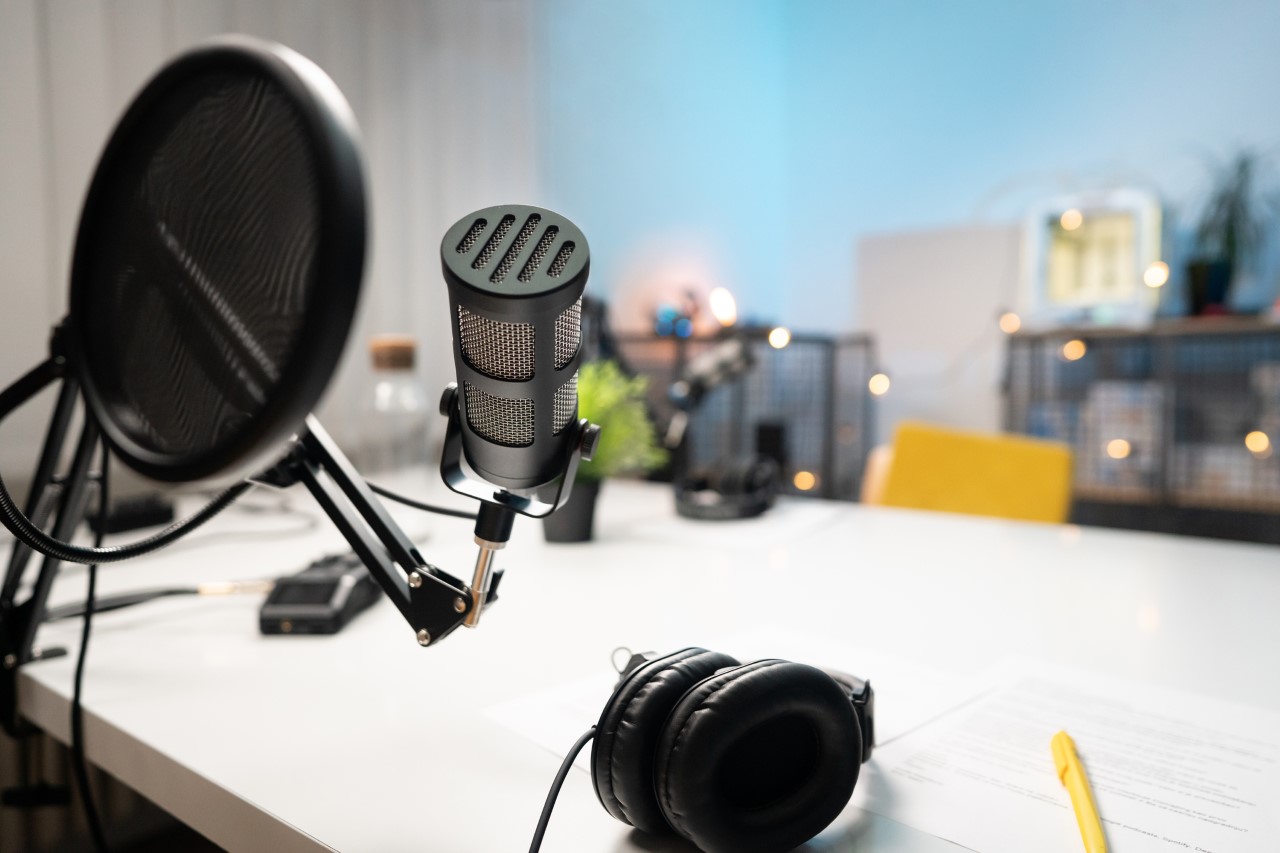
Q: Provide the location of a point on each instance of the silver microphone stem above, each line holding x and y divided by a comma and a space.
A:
481, 578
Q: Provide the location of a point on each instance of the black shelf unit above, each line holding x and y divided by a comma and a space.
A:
814, 389
1173, 426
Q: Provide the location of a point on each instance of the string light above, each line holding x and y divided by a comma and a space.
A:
1074, 349
723, 306
1010, 322
1118, 448
1156, 275
779, 337
804, 480
1071, 219
1258, 443
878, 384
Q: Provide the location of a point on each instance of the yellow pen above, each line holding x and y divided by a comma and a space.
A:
1071, 774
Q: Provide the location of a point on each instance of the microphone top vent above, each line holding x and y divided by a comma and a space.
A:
515, 251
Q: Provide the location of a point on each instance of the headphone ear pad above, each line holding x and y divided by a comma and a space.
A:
758, 758
622, 754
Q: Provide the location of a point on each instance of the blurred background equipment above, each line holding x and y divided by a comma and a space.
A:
806, 404
1172, 428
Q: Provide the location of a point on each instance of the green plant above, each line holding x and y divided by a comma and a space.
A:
1231, 223
616, 402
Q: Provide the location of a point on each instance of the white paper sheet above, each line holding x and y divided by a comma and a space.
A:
1171, 771
907, 694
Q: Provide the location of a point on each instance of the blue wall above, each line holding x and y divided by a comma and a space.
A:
768, 136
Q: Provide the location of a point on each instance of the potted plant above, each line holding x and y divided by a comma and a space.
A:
616, 402
1228, 233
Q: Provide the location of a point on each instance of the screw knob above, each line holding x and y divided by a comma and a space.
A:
446, 399
590, 438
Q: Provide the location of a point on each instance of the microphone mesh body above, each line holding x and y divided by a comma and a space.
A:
502, 420
501, 350
566, 403
568, 334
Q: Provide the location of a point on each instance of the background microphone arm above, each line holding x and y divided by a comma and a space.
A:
433, 602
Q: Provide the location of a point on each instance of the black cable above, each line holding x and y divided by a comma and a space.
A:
37, 540
555, 789
425, 507
116, 602
79, 765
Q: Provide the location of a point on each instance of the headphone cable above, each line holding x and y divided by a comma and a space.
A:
555, 789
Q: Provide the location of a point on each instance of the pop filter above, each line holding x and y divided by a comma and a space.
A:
216, 271
218, 260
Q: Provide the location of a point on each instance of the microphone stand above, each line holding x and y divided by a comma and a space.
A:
56, 504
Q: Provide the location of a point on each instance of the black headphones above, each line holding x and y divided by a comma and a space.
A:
742, 488
733, 757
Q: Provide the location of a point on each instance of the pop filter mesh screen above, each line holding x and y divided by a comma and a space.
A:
201, 255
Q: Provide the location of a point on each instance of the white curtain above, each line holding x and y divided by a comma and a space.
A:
442, 89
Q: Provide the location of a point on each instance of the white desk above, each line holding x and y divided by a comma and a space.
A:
366, 742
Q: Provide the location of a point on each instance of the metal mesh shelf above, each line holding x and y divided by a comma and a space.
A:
812, 393
1177, 424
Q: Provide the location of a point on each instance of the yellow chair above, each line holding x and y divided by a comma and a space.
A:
951, 470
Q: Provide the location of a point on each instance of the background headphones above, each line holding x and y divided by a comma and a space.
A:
742, 488
733, 757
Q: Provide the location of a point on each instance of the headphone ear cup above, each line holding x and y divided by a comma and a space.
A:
622, 754
758, 758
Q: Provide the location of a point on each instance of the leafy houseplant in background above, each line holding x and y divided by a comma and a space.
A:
616, 402
1227, 235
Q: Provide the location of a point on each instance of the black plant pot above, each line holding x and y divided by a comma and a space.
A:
1209, 285
573, 521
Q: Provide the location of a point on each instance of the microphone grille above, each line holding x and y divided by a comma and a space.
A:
491, 247
517, 246
539, 252
568, 334
561, 261
473, 234
500, 419
566, 405
501, 350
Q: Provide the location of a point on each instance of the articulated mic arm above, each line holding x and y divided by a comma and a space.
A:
432, 601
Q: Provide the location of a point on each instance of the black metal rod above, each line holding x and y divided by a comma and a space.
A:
368, 548
39, 496
70, 512
828, 484
30, 384
321, 450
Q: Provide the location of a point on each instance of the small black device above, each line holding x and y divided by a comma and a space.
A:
134, 513
741, 488
321, 599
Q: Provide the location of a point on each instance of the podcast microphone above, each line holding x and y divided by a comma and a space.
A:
515, 276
